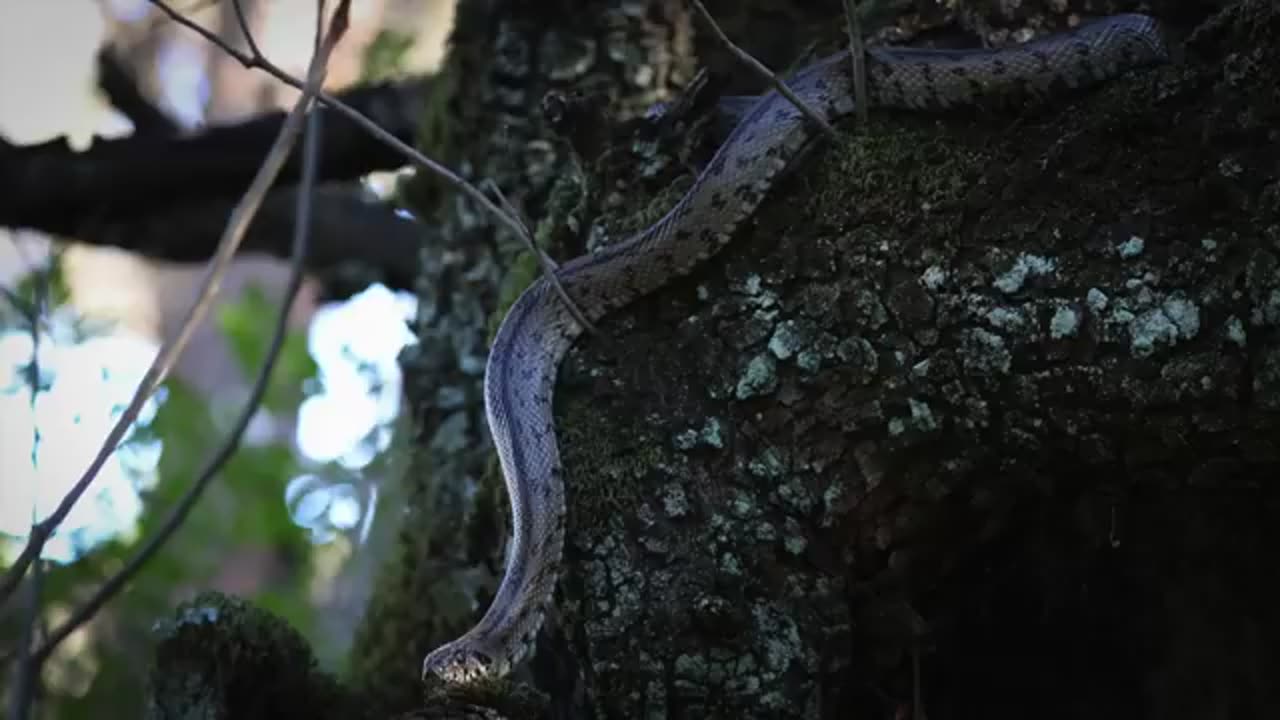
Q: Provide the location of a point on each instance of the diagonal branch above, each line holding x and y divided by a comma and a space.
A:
759, 68
452, 179
169, 353
179, 513
858, 56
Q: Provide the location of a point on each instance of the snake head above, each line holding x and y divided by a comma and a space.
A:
458, 664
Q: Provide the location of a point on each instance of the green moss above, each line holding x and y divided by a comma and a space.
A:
563, 219
637, 213
617, 480
218, 656
523, 271
900, 168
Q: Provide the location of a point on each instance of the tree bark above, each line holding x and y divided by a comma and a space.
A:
485, 118
980, 412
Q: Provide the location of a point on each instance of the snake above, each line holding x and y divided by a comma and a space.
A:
539, 327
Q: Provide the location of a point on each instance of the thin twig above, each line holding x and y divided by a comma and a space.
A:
415, 157
549, 265
760, 69
245, 30
195, 7
28, 667
526, 233
858, 56
178, 515
170, 351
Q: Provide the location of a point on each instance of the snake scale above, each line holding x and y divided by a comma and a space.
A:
539, 329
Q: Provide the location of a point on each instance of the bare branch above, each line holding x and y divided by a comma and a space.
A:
549, 265
121, 89
122, 182
28, 673
858, 56
28, 666
243, 22
179, 513
415, 157
169, 353
759, 68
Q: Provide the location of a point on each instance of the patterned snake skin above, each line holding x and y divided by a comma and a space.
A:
538, 330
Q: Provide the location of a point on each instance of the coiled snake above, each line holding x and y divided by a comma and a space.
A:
539, 329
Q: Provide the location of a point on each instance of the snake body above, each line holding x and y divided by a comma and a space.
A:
539, 329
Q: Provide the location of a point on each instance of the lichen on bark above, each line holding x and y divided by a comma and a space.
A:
994, 340
220, 657
952, 372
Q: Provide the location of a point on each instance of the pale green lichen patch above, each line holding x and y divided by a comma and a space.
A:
788, 338
690, 667
674, 502
613, 582
933, 277
802, 340
986, 353
730, 564
686, 440
1268, 311
1162, 327
922, 418
834, 498
1096, 300
1064, 323
1024, 267
809, 360
1131, 248
751, 285
766, 532
768, 463
795, 495
742, 506
783, 646
1007, 318
795, 544
760, 377
710, 435
1236, 332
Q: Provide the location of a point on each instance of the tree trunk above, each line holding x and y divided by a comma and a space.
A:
486, 119
980, 412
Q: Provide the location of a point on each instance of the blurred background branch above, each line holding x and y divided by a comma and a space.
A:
126, 142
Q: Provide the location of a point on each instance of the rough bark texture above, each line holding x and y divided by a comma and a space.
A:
487, 121
997, 395
1000, 393
219, 657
